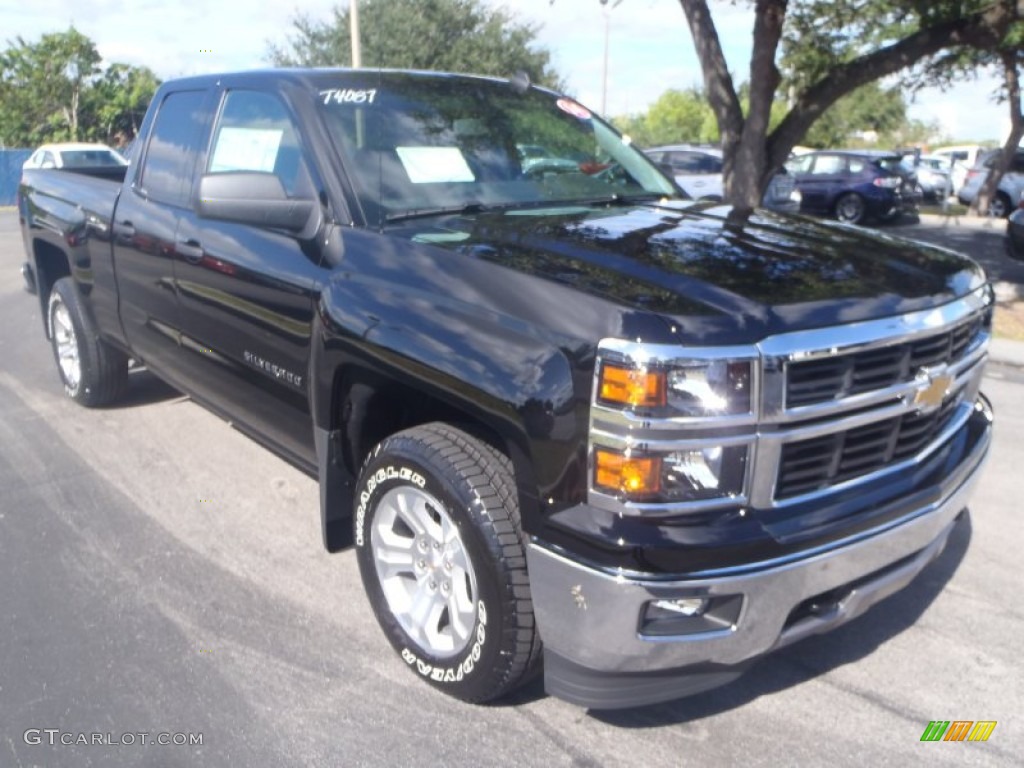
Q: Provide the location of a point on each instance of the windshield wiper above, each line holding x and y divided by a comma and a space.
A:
616, 199
444, 210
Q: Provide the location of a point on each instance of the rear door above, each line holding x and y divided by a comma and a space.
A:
145, 223
248, 292
823, 182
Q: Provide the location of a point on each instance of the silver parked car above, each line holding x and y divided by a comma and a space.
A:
1010, 186
698, 171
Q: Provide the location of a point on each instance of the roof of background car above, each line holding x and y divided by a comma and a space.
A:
875, 154
72, 146
686, 148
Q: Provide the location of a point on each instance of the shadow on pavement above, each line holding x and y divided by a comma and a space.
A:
814, 656
144, 388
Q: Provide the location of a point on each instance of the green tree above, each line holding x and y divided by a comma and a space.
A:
832, 47
56, 90
869, 108
678, 116
118, 100
448, 35
41, 86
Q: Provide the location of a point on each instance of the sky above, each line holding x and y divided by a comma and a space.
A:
650, 49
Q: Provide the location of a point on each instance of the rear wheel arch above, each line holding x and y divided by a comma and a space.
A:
51, 264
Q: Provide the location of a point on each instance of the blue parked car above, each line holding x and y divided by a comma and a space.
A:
853, 185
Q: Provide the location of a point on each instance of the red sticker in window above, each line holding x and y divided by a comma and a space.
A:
574, 109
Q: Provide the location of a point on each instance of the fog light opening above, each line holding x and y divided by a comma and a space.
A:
686, 606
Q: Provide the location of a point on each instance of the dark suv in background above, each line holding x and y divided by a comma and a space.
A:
853, 185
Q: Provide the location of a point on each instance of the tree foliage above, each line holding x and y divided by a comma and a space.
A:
682, 117
831, 48
55, 89
444, 35
871, 115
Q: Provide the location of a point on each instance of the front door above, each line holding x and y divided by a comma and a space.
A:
248, 293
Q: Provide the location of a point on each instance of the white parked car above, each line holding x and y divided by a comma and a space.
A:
698, 172
961, 159
74, 155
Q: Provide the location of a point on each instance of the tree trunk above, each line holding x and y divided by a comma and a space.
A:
751, 154
1009, 152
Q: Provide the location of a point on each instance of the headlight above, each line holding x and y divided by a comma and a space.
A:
697, 474
696, 389
710, 389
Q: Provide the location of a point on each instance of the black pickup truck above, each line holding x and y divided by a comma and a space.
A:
569, 419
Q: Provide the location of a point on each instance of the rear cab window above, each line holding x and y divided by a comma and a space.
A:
165, 175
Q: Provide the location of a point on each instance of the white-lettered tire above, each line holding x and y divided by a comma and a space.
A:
441, 554
93, 372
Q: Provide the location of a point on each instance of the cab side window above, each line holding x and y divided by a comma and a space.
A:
166, 174
255, 133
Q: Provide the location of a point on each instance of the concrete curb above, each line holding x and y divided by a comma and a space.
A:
964, 220
1006, 352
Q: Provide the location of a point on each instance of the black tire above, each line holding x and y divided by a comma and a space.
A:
466, 485
999, 206
850, 208
93, 372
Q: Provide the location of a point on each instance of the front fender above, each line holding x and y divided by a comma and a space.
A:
523, 386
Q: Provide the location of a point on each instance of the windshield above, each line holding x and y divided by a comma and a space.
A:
91, 158
419, 143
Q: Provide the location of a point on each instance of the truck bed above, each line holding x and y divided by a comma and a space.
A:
61, 199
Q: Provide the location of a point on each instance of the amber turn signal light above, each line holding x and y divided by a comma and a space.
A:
631, 386
635, 476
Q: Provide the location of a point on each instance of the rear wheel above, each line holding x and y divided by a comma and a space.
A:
441, 555
850, 208
999, 206
93, 372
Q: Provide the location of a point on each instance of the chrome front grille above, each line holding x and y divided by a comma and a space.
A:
833, 378
820, 462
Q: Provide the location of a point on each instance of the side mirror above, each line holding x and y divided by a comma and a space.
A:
47, 164
251, 197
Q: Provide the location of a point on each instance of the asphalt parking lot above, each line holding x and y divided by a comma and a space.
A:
161, 573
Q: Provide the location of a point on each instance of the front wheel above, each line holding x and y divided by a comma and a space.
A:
93, 372
850, 208
440, 552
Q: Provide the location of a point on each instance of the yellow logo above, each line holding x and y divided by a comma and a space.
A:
932, 390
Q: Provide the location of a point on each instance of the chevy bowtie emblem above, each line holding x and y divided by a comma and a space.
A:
932, 388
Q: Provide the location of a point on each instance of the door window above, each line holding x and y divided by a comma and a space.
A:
255, 133
828, 165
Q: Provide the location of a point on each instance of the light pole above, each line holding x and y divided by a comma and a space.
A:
606, 12
353, 28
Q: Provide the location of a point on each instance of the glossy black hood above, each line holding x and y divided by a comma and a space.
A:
757, 273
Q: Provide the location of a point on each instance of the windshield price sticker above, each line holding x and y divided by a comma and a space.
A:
349, 95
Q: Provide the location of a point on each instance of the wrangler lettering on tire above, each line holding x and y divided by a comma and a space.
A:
440, 551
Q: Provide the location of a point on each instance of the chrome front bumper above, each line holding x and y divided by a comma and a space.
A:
591, 620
